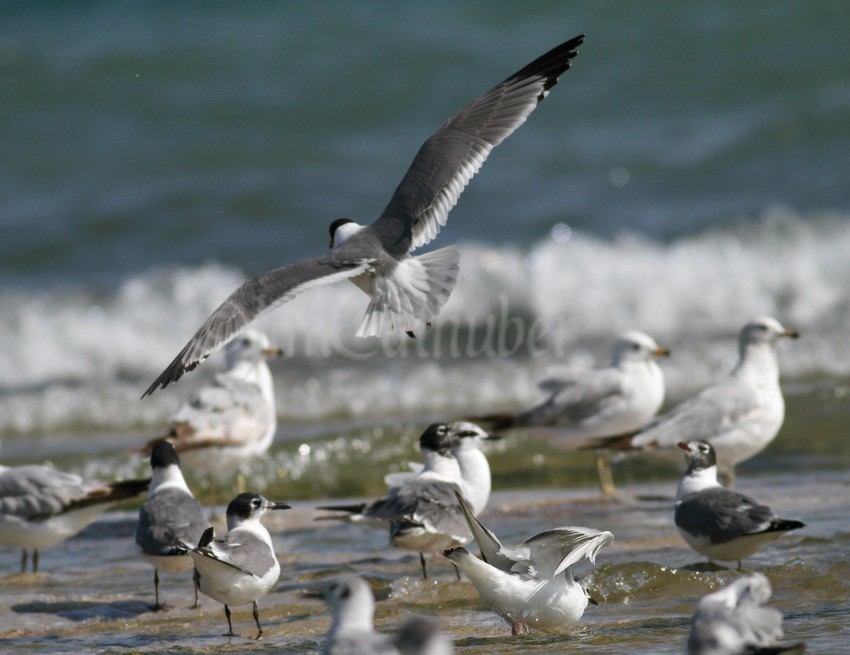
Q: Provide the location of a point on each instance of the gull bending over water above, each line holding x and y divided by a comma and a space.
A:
232, 420
530, 585
403, 290
734, 621
739, 415
40, 506
717, 522
598, 402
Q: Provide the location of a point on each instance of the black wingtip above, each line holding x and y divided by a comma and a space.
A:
551, 64
206, 538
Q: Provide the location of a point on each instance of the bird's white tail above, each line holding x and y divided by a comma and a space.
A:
412, 295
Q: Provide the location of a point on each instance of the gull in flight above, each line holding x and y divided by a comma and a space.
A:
403, 290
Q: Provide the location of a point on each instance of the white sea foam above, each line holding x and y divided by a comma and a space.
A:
79, 358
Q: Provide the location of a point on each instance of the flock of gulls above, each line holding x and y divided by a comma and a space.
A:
434, 507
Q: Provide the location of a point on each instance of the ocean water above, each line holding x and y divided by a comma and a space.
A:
691, 171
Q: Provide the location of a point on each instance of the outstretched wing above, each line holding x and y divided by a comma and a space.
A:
456, 151
551, 552
491, 547
255, 297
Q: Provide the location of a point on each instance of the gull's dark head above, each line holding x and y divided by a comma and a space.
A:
439, 438
250, 506
334, 226
699, 455
163, 454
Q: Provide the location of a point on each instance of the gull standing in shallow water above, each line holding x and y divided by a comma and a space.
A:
352, 631
404, 290
422, 515
717, 522
530, 585
739, 415
171, 521
598, 402
232, 420
41, 507
240, 567
734, 621
476, 481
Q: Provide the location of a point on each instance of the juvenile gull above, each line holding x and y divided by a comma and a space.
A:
171, 521
41, 507
352, 630
422, 515
739, 415
734, 621
599, 402
240, 567
404, 290
717, 522
232, 420
530, 585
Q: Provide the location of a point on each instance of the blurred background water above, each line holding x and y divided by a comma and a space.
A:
690, 172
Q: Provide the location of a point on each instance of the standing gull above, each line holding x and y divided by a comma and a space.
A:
422, 515
232, 420
734, 621
404, 290
717, 522
240, 567
171, 521
599, 402
40, 506
531, 585
475, 478
739, 415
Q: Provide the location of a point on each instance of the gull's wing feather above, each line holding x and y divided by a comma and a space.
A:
255, 297
722, 515
456, 151
552, 552
491, 547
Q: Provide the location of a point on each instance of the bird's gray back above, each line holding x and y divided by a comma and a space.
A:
168, 521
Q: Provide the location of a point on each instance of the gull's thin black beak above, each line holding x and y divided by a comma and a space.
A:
592, 601
273, 505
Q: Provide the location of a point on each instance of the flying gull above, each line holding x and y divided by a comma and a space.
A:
404, 290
